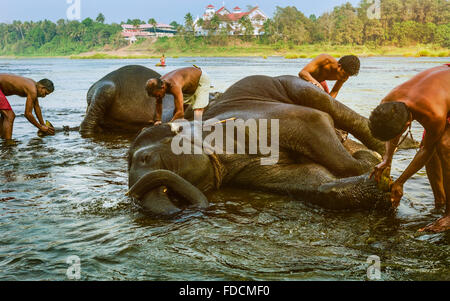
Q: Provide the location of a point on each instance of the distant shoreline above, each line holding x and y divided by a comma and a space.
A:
148, 51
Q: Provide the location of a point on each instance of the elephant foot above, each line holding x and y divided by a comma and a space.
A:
352, 193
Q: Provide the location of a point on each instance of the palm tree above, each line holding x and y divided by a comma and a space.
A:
153, 23
189, 22
247, 25
100, 18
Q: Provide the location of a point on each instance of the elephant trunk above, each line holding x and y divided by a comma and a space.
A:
344, 118
156, 179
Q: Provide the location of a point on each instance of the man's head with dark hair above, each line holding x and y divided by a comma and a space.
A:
44, 87
389, 120
350, 64
156, 87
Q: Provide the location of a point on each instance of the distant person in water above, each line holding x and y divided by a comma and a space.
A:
24, 87
325, 67
425, 98
162, 60
188, 85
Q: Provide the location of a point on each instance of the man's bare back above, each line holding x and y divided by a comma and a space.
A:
180, 82
427, 96
185, 78
325, 67
16, 85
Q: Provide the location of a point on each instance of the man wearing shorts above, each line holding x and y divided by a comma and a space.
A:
188, 85
16, 85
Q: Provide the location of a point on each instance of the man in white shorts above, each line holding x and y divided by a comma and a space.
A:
188, 85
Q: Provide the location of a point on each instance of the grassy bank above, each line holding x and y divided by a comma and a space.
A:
197, 48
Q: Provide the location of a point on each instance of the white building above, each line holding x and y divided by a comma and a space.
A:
131, 33
230, 20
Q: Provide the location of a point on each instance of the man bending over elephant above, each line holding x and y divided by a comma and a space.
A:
188, 85
325, 67
24, 87
425, 98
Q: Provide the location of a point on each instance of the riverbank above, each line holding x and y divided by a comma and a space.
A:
151, 50
154, 50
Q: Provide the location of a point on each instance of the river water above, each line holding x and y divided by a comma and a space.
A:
64, 195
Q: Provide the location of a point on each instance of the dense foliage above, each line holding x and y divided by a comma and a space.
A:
60, 38
402, 23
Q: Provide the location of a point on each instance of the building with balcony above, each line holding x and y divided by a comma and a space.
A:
230, 20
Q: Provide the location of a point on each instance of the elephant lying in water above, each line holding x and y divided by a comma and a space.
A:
119, 103
313, 165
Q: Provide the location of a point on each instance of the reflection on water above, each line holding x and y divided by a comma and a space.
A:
64, 195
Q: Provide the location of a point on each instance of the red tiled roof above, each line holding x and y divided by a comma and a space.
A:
237, 8
220, 9
236, 16
210, 6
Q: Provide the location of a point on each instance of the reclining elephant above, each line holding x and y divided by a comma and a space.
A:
313, 165
119, 103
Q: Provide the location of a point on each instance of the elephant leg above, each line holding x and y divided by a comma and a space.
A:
310, 133
99, 98
314, 184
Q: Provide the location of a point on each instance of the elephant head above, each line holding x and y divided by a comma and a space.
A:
162, 182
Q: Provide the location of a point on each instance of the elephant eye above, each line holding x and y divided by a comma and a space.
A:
145, 158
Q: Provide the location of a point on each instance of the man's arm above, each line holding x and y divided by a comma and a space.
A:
337, 87
29, 105
310, 68
434, 133
37, 110
387, 158
158, 111
178, 99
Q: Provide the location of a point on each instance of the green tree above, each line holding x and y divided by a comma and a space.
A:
189, 22
153, 23
247, 26
100, 18
291, 25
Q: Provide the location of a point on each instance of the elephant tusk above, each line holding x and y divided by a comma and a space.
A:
223, 121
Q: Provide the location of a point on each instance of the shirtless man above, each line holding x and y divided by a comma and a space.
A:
24, 87
425, 98
325, 67
188, 85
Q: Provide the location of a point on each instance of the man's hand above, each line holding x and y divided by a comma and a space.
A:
378, 171
319, 85
396, 194
177, 116
47, 130
158, 122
